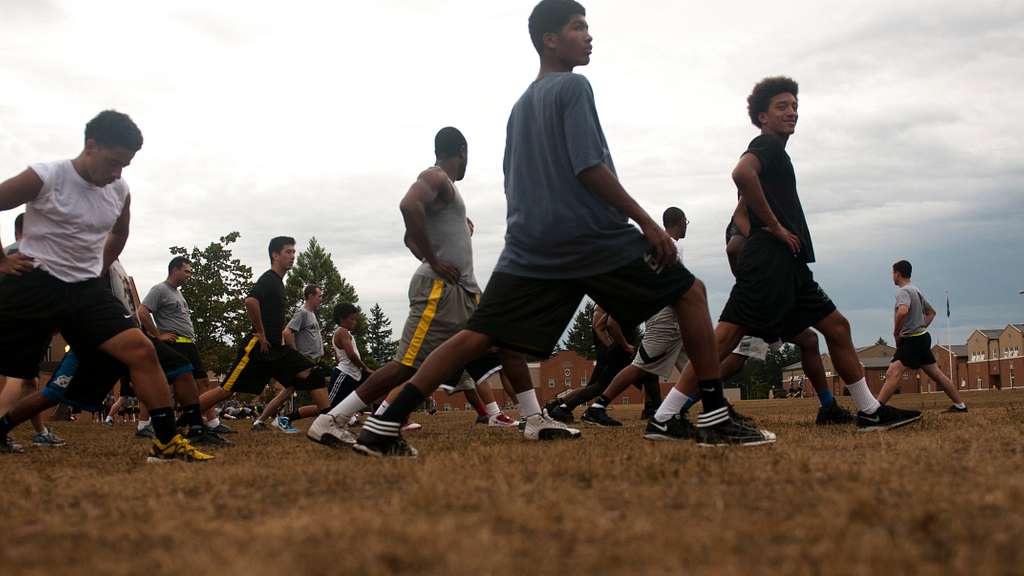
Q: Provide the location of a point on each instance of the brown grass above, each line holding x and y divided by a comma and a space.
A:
944, 496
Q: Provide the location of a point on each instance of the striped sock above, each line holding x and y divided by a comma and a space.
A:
382, 427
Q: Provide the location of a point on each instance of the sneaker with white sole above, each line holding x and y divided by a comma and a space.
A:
886, 418
8, 446
48, 439
325, 430
259, 426
542, 427
720, 428
176, 450
501, 420
411, 426
381, 438
284, 424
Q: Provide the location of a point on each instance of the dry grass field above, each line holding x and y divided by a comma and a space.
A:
945, 496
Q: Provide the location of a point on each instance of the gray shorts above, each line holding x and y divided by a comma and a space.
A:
661, 357
437, 311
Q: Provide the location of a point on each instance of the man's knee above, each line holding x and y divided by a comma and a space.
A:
835, 325
807, 340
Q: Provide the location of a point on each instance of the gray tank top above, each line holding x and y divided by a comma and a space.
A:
449, 237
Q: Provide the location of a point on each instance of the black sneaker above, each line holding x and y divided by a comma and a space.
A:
222, 429
555, 411
886, 418
954, 410
833, 413
145, 432
599, 416
677, 428
8, 446
733, 433
202, 436
377, 445
741, 418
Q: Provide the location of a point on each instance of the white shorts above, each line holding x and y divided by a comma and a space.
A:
752, 347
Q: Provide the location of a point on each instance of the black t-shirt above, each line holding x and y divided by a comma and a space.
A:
269, 290
779, 183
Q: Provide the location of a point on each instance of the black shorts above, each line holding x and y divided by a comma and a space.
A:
473, 373
530, 314
914, 351
253, 369
342, 385
84, 380
191, 351
775, 295
35, 305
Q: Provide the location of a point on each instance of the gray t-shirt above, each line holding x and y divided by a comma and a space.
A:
448, 233
306, 328
556, 228
912, 297
170, 310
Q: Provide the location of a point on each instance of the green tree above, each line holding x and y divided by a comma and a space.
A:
315, 265
881, 342
378, 337
580, 338
215, 294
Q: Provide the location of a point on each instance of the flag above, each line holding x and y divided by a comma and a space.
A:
947, 306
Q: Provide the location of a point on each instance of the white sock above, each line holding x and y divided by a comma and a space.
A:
528, 405
108, 419
492, 409
671, 405
143, 424
862, 397
213, 422
380, 409
347, 407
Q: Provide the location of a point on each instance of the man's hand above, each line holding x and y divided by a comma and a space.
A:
630, 349
446, 270
264, 343
16, 264
786, 237
168, 337
664, 248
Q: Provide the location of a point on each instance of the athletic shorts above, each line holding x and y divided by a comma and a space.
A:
83, 381
191, 351
752, 347
914, 351
775, 295
437, 311
661, 349
475, 372
530, 314
342, 385
254, 368
35, 305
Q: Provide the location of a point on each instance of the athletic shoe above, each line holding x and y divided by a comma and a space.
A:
47, 438
412, 427
501, 420
372, 443
283, 424
555, 411
109, 423
482, 419
521, 423
203, 436
145, 432
735, 433
325, 430
648, 413
676, 428
886, 418
8, 446
833, 413
599, 416
259, 426
177, 449
222, 429
354, 421
954, 410
741, 418
542, 427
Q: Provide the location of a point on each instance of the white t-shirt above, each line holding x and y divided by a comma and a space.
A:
67, 224
345, 364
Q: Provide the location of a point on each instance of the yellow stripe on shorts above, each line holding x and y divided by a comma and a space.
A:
230, 382
421, 329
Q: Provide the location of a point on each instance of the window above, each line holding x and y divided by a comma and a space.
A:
551, 382
568, 381
447, 407
625, 400
583, 381
979, 382
1013, 377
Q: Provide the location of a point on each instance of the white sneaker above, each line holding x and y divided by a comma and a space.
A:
540, 427
326, 431
412, 427
501, 420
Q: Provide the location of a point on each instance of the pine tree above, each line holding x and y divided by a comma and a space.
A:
378, 337
580, 338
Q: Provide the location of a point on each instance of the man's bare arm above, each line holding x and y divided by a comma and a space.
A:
430, 187
343, 340
14, 192
289, 338
118, 235
745, 175
600, 180
617, 335
146, 319
252, 310
902, 311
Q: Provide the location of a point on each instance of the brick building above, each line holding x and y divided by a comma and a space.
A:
944, 356
874, 358
983, 354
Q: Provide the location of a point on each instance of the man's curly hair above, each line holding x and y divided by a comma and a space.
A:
763, 93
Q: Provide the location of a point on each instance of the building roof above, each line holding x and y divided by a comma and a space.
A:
990, 333
793, 366
957, 349
878, 362
1019, 327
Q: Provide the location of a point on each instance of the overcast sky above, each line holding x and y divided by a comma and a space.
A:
312, 119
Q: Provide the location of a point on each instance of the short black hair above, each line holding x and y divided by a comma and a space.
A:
176, 263
448, 142
309, 291
343, 310
112, 128
277, 243
903, 268
673, 217
549, 17
763, 93
19, 224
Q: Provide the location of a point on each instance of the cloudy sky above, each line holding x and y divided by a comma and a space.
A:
311, 119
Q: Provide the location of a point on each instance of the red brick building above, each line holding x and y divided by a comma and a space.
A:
944, 356
983, 353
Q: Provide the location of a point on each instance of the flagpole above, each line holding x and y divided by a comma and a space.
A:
949, 344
